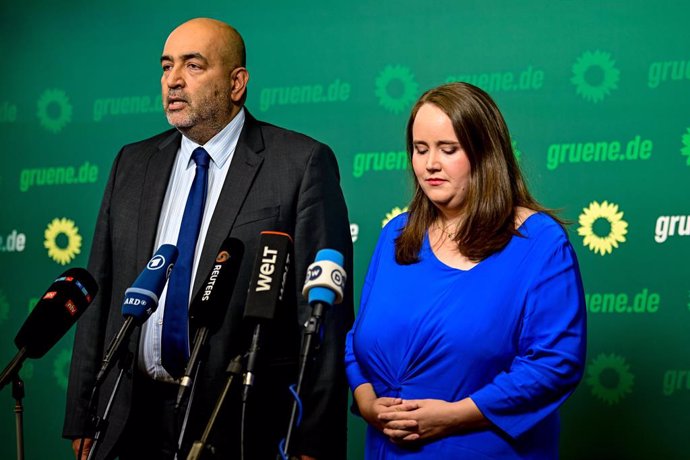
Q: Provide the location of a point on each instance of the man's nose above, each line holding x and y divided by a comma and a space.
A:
173, 78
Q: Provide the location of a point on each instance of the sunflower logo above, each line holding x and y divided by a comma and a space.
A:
686, 146
595, 75
396, 88
610, 378
54, 100
390, 215
61, 368
4, 307
65, 228
597, 215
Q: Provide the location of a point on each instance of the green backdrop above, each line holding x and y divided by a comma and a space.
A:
597, 96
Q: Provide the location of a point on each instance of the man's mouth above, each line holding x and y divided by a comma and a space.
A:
176, 103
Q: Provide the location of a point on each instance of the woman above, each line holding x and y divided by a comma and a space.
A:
471, 330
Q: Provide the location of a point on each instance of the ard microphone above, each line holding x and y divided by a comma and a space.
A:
60, 307
141, 300
266, 289
208, 307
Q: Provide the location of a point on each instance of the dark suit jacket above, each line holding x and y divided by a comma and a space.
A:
278, 180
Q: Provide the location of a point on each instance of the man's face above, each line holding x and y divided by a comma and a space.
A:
196, 82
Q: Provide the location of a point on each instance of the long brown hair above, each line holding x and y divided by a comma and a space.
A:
495, 188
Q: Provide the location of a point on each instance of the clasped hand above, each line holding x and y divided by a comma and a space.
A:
408, 421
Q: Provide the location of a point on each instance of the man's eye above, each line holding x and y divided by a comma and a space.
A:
166, 67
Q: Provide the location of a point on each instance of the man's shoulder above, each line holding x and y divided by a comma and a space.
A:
279, 135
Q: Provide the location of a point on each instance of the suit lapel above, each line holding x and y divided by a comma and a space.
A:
245, 165
158, 169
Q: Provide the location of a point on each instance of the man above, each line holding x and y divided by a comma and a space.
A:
259, 177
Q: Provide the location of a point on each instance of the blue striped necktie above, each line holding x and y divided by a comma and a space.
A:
175, 346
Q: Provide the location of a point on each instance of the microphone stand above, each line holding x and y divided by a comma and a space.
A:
101, 424
18, 394
187, 412
234, 370
311, 328
11, 373
199, 350
192, 364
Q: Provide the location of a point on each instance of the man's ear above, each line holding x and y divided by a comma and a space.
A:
240, 78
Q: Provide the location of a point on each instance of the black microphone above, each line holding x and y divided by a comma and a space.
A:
141, 300
208, 307
266, 288
60, 307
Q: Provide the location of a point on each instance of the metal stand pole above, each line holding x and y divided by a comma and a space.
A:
18, 395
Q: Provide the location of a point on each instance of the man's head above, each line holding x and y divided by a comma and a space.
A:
204, 77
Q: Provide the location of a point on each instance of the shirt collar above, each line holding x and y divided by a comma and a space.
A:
221, 146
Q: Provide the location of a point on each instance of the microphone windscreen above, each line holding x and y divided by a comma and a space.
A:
271, 267
60, 307
326, 278
142, 298
211, 302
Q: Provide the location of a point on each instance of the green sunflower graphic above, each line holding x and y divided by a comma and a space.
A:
595, 75
391, 76
610, 378
54, 122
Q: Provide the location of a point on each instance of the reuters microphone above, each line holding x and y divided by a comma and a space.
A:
265, 294
207, 310
141, 300
60, 307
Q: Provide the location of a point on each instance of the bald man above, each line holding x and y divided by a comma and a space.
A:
259, 177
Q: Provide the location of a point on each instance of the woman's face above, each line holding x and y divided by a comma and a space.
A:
439, 161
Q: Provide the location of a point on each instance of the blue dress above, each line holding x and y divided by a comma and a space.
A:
509, 333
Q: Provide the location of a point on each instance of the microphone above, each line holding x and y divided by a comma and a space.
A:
324, 286
325, 278
266, 288
141, 300
208, 307
60, 307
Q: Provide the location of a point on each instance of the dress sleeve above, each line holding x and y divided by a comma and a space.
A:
355, 374
551, 348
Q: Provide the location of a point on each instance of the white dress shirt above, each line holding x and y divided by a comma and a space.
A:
221, 149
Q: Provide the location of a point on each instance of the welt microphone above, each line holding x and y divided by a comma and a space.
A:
266, 288
208, 307
60, 307
141, 300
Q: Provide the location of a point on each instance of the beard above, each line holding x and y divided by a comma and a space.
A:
201, 115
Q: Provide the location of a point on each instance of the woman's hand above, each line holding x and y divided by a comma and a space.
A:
370, 407
426, 419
